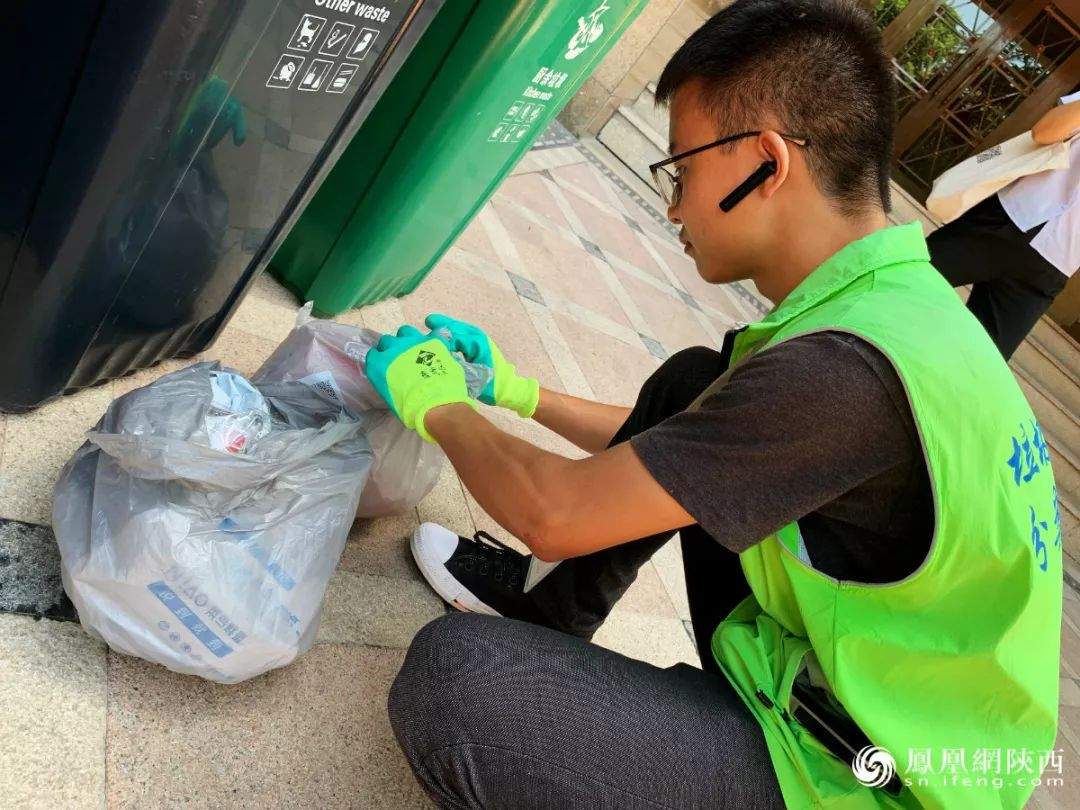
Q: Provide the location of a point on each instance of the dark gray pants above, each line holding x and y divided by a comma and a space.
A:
498, 713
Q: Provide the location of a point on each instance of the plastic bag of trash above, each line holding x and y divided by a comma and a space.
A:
200, 523
330, 356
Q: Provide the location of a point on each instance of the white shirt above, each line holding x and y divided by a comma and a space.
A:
1052, 197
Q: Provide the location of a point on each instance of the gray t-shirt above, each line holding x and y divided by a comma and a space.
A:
816, 430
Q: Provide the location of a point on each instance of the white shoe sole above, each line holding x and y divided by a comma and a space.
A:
443, 582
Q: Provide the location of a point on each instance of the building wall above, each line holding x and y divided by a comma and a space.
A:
637, 59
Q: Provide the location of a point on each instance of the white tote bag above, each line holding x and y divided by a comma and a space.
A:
968, 183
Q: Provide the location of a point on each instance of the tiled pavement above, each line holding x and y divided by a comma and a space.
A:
583, 286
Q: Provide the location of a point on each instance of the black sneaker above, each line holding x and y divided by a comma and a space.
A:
477, 574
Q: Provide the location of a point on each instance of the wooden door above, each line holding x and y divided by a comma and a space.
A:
972, 73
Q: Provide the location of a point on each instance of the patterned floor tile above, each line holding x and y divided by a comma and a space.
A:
380, 547
37, 445
614, 236
532, 191
475, 240
314, 734
567, 272
52, 727
659, 641
614, 370
670, 320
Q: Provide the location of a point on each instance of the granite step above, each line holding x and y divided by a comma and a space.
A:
633, 142
1057, 346
1055, 377
646, 109
1061, 430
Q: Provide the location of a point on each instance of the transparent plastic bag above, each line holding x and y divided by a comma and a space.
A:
330, 356
212, 562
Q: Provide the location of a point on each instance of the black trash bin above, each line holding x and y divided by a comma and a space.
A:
154, 155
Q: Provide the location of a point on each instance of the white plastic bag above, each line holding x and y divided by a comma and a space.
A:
212, 562
970, 182
330, 356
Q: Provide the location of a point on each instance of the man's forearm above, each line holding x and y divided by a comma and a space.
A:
1057, 124
589, 425
503, 473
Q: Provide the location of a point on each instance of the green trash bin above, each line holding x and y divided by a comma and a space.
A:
485, 80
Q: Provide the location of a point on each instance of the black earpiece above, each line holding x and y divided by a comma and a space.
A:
763, 172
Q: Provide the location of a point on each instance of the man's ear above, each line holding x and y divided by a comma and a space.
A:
772, 147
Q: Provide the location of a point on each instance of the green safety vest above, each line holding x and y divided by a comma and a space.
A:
962, 655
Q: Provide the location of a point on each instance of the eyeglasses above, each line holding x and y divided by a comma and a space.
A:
670, 185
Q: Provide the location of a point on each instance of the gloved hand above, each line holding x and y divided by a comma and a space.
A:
414, 373
506, 388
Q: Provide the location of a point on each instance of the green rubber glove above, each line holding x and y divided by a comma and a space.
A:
414, 373
506, 388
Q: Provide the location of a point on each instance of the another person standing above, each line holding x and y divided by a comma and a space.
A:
1018, 247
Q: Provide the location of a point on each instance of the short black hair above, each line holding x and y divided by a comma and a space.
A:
819, 68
